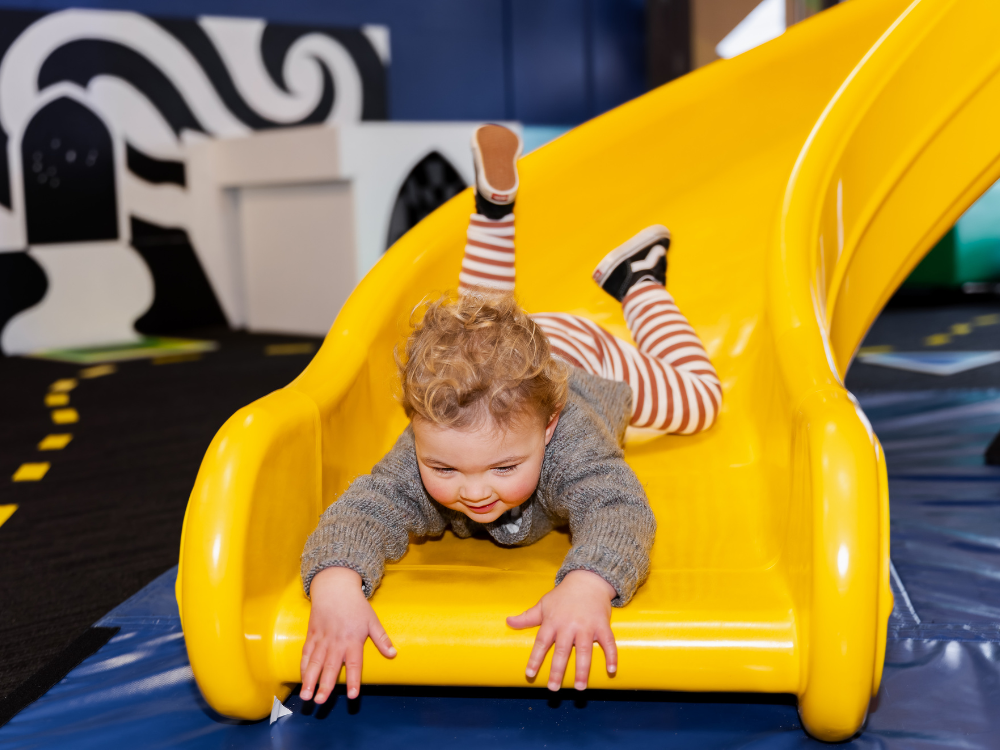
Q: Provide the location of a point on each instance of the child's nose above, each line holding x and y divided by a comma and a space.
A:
475, 492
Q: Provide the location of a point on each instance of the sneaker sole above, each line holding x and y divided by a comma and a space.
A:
496, 150
648, 236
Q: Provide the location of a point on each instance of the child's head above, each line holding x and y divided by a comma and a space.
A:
484, 394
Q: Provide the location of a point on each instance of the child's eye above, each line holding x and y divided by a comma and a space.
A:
442, 470
505, 469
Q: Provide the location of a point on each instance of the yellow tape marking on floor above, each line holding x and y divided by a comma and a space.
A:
173, 358
65, 416
55, 442
937, 339
961, 329
881, 349
6, 511
98, 371
56, 399
280, 350
63, 386
31, 472
986, 320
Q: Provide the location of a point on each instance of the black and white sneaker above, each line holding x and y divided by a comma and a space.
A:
643, 256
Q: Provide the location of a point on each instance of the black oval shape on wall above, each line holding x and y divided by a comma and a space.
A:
430, 184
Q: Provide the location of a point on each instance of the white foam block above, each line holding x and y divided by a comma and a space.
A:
278, 710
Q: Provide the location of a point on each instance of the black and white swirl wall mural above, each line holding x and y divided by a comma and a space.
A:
113, 209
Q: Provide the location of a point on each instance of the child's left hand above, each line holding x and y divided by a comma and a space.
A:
577, 613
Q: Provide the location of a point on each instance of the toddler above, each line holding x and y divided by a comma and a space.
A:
516, 427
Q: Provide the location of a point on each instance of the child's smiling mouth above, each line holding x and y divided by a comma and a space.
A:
482, 508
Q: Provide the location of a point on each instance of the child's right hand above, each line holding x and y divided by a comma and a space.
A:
340, 622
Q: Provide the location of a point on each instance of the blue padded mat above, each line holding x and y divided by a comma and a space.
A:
945, 507
138, 691
941, 686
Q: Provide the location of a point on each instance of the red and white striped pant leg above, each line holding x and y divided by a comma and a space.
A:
675, 355
488, 264
584, 344
674, 386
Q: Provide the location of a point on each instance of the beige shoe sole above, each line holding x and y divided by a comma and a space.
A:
495, 151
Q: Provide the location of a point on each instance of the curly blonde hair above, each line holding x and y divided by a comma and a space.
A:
478, 356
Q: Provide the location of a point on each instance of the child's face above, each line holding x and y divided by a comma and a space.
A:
482, 472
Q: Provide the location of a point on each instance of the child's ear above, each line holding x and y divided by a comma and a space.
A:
550, 428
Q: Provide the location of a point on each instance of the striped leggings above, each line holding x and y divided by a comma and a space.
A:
674, 387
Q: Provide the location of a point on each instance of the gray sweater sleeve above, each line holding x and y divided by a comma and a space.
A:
611, 523
371, 522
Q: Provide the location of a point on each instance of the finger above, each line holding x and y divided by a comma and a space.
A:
381, 639
584, 650
311, 669
531, 618
307, 650
353, 661
331, 671
560, 658
541, 647
607, 641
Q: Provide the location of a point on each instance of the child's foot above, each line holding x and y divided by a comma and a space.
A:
495, 150
642, 257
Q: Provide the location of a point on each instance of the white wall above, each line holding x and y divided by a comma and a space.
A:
287, 222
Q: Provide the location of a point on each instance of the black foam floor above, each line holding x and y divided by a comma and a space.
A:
106, 518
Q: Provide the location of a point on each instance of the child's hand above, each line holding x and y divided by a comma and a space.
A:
577, 612
340, 622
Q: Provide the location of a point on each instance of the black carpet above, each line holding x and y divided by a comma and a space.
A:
106, 519
38, 684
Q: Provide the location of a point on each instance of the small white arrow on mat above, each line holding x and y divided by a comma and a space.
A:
278, 710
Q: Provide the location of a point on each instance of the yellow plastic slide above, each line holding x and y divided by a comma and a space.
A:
801, 181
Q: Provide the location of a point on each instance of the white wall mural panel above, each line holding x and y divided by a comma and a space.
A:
107, 280
424, 164
100, 112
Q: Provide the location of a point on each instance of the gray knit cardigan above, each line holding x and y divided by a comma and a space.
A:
584, 483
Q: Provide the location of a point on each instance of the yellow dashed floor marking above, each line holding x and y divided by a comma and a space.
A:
65, 416
55, 442
31, 472
56, 399
279, 350
958, 329
63, 386
98, 371
173, 358
6, 511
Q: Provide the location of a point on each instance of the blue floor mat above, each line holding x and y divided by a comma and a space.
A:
941, 686
138, 691
945, 507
